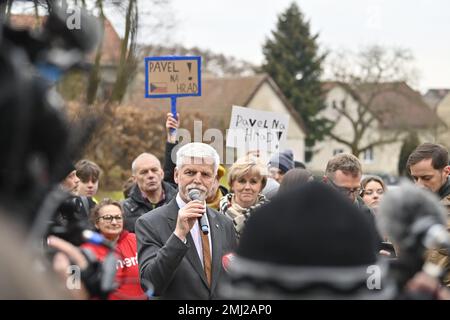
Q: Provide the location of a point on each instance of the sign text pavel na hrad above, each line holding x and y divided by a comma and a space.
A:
252, 129
172, 77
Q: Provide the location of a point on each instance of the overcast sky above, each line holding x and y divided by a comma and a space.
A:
240, 27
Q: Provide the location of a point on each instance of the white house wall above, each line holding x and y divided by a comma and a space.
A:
443, 111
385, 157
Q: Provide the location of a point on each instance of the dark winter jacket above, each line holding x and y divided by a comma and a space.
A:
371, 217
169, 165
136, 205
444, 191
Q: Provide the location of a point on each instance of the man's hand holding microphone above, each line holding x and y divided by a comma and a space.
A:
192, 212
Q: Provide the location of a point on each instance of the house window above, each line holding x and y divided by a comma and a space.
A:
333, 104
368, 155
308, 155
337, 151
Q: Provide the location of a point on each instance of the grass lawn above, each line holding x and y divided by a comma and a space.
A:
115, 195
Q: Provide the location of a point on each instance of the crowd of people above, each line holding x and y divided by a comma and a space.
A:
290, 235
274, 231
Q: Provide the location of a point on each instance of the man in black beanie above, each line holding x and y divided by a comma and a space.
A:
316, 250
280, 163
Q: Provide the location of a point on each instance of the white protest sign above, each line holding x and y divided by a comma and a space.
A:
252, 130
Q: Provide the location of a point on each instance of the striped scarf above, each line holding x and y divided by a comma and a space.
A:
236, 213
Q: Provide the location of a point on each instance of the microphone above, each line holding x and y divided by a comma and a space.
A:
194, 194
413, 218
97, 238
227, 260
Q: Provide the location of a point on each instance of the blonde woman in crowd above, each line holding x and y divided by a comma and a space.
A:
246, 177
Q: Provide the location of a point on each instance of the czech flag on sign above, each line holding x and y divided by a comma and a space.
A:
158, 87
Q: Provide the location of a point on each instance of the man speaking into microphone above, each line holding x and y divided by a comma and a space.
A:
175, 256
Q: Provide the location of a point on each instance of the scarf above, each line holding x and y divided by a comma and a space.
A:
236, 213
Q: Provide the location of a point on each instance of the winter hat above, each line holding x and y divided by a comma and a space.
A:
67, 167
300, 246
283, 161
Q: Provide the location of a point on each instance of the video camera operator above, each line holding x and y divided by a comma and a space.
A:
72, 215
37, 143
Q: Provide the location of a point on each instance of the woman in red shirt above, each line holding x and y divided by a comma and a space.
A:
107, 217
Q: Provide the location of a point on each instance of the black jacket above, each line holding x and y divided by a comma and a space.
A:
135, 206
169, 165
371, 218
444, 191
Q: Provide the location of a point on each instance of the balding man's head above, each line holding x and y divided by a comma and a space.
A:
143, 157
147, 172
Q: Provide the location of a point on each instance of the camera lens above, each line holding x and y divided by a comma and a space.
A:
71, 208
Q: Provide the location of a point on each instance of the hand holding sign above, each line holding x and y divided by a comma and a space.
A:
172, 124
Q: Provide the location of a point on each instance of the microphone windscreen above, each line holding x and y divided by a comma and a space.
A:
194, 194
404, 206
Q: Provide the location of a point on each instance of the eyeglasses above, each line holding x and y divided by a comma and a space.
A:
109, 218
371, 192
343, 190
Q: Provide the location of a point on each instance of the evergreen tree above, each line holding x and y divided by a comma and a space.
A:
293, 61
409, 144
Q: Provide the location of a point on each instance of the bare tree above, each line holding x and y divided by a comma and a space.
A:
365, 77
94, 76
127, 62
6, 9
132, 11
